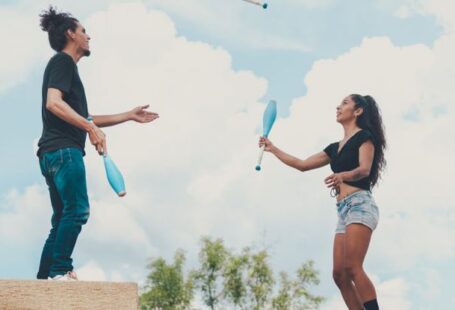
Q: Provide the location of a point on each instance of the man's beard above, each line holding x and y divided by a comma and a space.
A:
87, 53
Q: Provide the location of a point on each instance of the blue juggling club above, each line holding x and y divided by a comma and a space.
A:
267, 123
114, 176
257, 2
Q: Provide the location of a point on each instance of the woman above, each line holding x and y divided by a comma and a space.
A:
357, 162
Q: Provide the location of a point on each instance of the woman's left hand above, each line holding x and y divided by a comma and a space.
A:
141, 115
334, 180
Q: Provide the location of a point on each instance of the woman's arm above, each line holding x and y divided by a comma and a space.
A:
138, 114
315, 161
366, 156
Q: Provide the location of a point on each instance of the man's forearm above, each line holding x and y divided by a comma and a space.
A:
64, 111
110, 120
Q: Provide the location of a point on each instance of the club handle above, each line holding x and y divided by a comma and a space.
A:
90, 119
261, 153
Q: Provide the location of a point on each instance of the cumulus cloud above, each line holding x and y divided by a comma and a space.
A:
240, 24
24, 46
393, 295
442, 10
24, 224
17, 209
91, 272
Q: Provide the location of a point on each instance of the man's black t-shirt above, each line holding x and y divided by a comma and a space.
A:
347, 158
61, 73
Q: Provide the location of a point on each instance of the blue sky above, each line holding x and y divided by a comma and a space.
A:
213, 64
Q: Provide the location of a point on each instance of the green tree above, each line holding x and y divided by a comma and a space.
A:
226, 281
259, 281
283, 300
235, 289
294, 294
166, 287
208, 277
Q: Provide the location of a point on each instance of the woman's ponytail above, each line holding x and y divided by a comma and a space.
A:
371, 120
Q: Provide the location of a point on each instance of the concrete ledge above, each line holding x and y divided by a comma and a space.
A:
61, 295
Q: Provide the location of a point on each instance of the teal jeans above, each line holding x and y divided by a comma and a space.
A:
64, 172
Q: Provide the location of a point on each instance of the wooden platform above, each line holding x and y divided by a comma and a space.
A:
62, 295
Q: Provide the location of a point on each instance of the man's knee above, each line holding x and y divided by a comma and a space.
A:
83, 215
77, 213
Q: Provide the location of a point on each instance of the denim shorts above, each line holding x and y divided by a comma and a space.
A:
358, 208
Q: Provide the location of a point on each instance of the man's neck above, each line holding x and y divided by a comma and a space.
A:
73, 52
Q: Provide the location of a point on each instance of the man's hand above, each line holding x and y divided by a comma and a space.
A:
98, 139
141, 115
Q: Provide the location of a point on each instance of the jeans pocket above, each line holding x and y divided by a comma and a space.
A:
52, 161
355, 202
343, 210
68, 154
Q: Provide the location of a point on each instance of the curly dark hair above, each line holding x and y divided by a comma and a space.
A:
56, 25
371, 120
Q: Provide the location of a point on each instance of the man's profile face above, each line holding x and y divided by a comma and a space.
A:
81, 38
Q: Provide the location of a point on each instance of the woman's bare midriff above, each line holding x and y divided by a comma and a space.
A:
346, 190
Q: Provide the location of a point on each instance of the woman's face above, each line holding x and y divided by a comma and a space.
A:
346, 111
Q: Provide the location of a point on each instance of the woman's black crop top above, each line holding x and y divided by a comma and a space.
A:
347, 158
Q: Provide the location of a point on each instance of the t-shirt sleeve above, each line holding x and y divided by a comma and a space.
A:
61, 73
330, 149
364, 136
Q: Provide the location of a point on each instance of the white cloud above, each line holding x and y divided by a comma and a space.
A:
24, 46
25, 210
239, 23
443, 10
229, 18
392, 294
91, 272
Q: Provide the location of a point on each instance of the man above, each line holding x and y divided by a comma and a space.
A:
61, 146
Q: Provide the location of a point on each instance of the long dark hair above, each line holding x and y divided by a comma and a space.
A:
56, 25
371, 120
